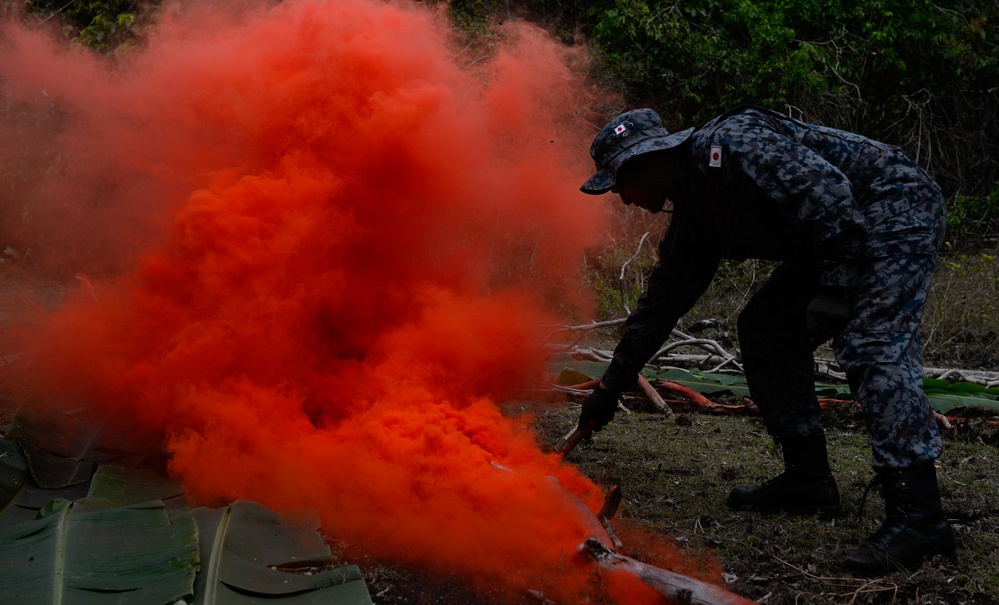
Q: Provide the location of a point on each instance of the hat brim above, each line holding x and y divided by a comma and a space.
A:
601, 182
605, 178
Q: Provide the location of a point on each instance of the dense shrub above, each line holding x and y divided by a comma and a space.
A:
922, 74
916, 73
99, 25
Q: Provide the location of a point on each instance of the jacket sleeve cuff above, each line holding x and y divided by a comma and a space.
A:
616, 381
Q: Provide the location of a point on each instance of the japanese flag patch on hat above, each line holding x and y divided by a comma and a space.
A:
631, 134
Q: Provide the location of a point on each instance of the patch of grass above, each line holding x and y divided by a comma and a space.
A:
675, 474
961, 326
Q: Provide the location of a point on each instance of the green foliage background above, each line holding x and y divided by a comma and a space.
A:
922, 74
99, 25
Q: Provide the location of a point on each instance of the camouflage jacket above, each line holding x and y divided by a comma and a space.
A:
763, 185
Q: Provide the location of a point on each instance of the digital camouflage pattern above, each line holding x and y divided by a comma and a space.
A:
841, 211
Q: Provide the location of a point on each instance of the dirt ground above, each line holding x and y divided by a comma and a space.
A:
675, 473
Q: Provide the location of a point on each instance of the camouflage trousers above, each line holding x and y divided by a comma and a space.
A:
879, 350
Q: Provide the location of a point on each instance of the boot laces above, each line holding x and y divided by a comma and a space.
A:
895, 519
863, 499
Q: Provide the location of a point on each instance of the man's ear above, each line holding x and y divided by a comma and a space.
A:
665, 164
645, 163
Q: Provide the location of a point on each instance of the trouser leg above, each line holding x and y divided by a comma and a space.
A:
777, 357
880, 352
776, 351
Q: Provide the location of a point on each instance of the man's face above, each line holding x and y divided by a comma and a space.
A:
637, 194
642, 182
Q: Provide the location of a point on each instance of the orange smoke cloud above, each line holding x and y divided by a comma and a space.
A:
321, 249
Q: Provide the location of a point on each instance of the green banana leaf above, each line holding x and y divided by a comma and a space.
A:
64, 444
87, 541
55, 442
90, 552
943, 396
21, 499
705, 384
569, 370
833, 391
126, 485
577, 371
13, 471
247, 552
947, 396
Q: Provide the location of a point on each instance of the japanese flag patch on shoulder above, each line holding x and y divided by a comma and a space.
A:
714, 157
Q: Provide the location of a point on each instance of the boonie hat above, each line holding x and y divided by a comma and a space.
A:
630, 134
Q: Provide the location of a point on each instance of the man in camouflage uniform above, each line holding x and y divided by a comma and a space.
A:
856, 226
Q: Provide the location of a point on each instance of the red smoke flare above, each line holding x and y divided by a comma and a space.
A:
333, 244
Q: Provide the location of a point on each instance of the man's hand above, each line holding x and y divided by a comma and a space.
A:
598, 407
827, 314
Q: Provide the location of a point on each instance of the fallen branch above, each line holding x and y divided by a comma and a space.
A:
653, 395
989, 421
600, 546
711, 346
580, 332
699, 400
676, 587
571, 439
576, 434
602, 541
989, 380
716, 357
589, 385
611, 503
696, 398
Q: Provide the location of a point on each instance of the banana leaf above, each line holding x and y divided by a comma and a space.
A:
13, 471
21, 499
127, 485
968, 388
105, 537
55, 441
569, 371
590, 369
64, 443
833, 391
90, 552
568, 377
947, 396
705, 384
944, 396
248, 553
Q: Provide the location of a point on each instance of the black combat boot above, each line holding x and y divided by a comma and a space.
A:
806, 486
914, 529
